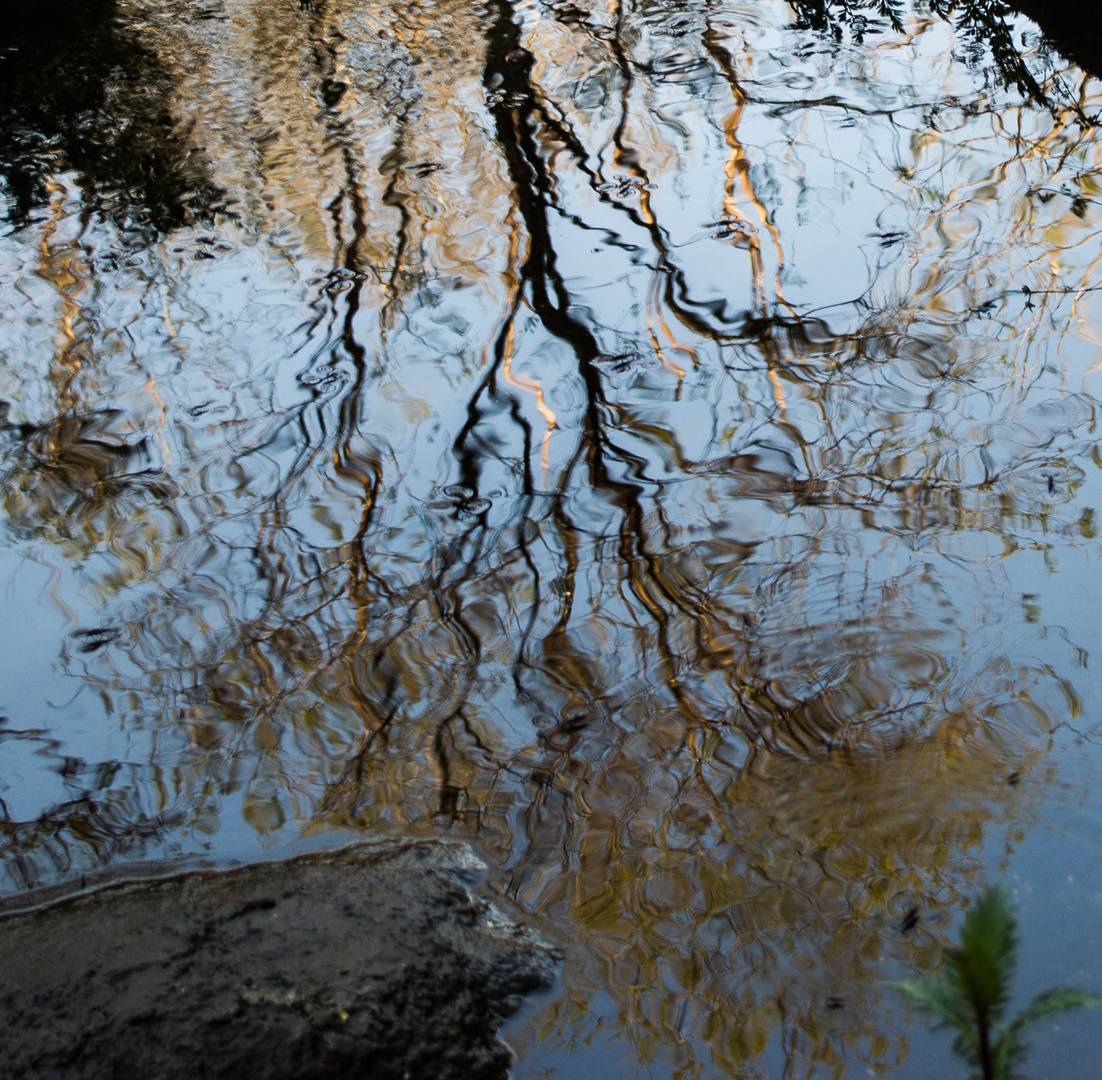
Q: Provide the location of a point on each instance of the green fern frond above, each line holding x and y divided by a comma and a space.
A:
1058, 999
937, 1000
974, 990
982, 967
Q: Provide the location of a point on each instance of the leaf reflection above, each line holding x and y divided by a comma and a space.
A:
563, 447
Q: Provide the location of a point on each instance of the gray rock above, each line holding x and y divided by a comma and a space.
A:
368, 962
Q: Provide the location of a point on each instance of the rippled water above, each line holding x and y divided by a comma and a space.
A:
654, 440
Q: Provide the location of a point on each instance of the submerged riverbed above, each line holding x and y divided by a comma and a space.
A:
654, 441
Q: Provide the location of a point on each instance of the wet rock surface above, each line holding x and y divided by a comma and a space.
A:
364, 962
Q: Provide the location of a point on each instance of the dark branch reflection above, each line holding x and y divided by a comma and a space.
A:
565, 446
81, 91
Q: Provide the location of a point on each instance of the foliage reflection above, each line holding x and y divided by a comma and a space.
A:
563, 446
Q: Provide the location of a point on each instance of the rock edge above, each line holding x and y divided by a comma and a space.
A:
369, 961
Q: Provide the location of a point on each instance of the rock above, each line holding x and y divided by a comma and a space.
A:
368, 962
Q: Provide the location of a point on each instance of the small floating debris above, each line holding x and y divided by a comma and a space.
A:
95, 638
322, 380
1052, 479
623, 363
461, 500
339, 279
733, 229
624, 187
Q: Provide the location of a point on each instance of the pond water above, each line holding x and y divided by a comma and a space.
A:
653, 440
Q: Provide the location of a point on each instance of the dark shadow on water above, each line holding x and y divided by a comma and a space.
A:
79, 92
1072, 27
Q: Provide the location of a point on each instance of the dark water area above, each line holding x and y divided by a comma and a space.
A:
652, 441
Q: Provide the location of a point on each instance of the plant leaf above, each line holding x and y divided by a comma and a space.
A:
1007, 1053
1058, 999
973, 993
982, 966
943, 1002
1010, 1048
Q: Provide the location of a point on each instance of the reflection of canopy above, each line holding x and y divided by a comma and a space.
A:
495, 469
1071, 27
79, 90
987, 24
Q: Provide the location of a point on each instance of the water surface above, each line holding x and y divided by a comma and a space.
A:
655, 441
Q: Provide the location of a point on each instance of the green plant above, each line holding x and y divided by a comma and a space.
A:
972, 995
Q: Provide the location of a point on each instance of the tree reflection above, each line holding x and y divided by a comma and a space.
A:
82, 92
987, 29
487, 479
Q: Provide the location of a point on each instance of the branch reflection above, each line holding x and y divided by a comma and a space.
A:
561, 444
